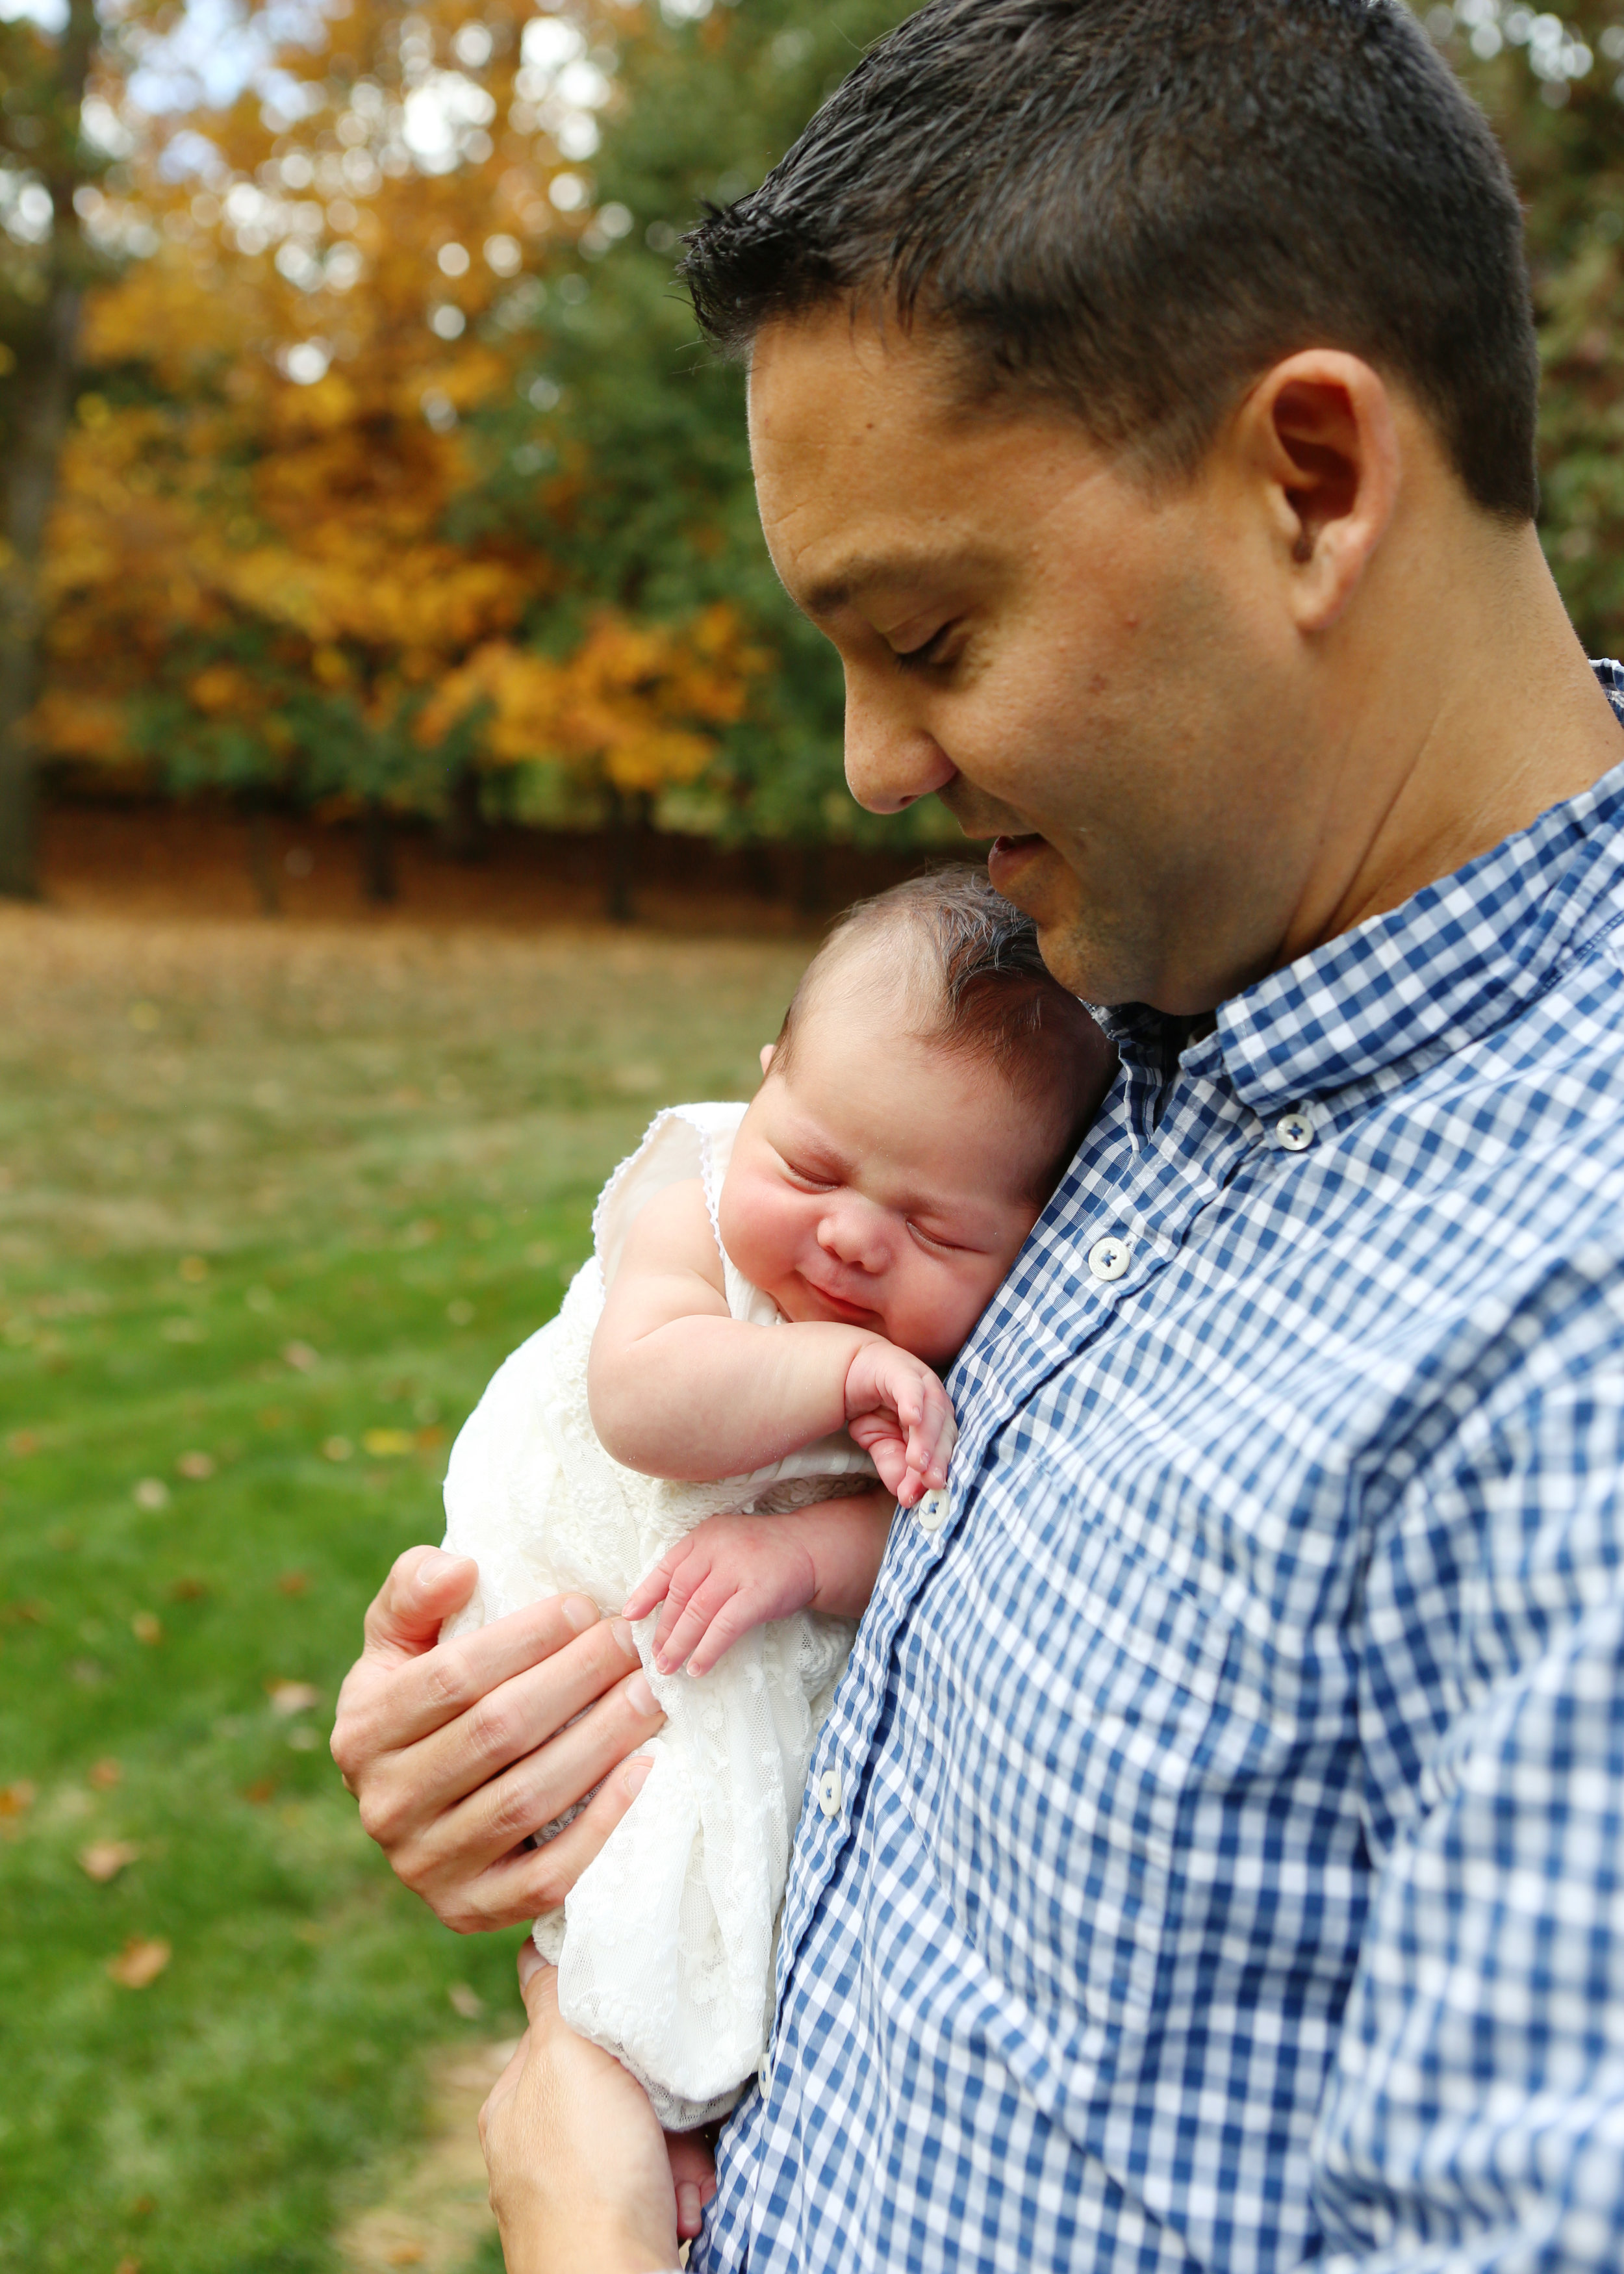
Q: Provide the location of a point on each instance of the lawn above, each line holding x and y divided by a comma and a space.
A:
273, 1205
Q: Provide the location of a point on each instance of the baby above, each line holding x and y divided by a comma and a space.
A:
928, 1087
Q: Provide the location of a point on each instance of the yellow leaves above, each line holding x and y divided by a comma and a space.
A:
80, 726
221, 688
630, 704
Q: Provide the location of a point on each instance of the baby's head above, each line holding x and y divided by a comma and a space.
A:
926, 1090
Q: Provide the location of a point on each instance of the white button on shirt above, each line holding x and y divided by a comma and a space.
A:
828, 1792
932, 1511
1295, 1130
1108, 1259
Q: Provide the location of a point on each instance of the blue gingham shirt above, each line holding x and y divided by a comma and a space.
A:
1216, 1855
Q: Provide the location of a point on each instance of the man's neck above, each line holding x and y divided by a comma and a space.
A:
1498, 718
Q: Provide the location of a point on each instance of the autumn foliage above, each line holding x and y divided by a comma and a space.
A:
389, 471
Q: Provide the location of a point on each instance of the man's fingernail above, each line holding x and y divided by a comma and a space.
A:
636, 1773
435, 1565
580, 1613
641, 1696
622, 1634
688, 2208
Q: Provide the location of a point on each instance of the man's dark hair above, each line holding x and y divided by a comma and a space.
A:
978, 988
1135, 207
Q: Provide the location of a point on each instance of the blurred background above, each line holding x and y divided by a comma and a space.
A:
410, 774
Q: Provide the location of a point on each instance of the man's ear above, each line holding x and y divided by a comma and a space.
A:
1319, 432
767, 1049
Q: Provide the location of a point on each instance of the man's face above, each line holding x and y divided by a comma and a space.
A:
1090, 673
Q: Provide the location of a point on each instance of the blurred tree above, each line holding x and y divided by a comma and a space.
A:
294, 505
660, 515
399, 461
43, 162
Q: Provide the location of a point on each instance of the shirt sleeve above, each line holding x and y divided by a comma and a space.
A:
1475, 2113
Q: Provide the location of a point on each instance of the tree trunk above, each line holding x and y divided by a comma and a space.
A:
761, 868
261, 861
45, 388
620, 847
378, 875
462, 833
811, 886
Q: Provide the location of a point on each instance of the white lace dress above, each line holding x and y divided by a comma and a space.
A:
665, 1948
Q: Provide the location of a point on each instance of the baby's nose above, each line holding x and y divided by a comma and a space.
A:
854, 1236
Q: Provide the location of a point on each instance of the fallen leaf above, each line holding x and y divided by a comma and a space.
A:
147, 1628
17, 1799
385, 1444
105, 1859
291, 1697
127, 2266
196, 1467
261, 1790
336, 1448
405, 2253
189, 1589
105, 1774
300, 1356
293, 1583
465, 2001
151, 1493
139, 1963
22, 1443
193, 1269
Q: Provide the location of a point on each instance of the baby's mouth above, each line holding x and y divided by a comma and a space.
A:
854, 1313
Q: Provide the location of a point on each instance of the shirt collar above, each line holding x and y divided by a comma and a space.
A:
1451, 963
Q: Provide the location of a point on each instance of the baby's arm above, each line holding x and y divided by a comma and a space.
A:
736, 1572
679, 1389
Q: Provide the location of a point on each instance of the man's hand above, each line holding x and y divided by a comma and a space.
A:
581, 2182
458, 1752
899, 1413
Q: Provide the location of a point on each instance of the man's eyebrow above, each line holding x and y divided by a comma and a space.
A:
867, 572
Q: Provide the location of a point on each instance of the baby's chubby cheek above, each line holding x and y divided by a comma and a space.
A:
757, 1222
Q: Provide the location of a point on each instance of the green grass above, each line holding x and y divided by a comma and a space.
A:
282, 1201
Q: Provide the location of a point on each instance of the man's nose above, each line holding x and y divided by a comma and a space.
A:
891, 758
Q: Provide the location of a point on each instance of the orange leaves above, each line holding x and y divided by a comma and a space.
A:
631, 704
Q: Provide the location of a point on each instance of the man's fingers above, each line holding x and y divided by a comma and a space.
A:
424, 1587
473, 1669
545, 1875
494, 1820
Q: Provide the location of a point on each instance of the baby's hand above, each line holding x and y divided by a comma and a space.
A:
732, 1573
899, 1413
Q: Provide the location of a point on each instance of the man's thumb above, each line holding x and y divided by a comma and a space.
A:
423, 1589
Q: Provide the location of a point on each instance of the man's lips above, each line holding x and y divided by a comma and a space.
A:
1009, 856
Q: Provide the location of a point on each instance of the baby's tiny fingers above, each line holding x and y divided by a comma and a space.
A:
647, 1593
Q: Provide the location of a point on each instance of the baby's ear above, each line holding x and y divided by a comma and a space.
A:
767, 1049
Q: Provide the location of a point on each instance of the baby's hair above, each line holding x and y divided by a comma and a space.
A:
977, 987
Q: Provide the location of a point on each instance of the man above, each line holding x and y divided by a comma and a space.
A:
1215, 1854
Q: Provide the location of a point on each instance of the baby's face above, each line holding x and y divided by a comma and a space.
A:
879, 1183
